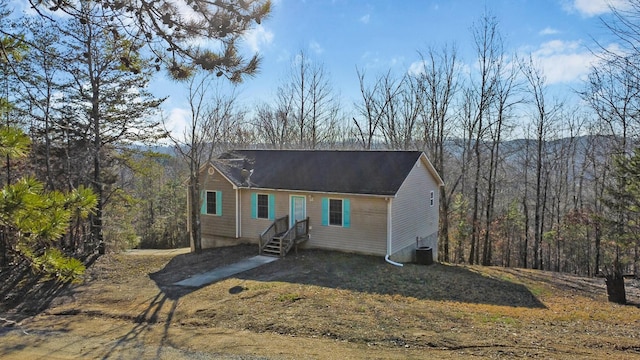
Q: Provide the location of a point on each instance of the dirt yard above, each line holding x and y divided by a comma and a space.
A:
323, 305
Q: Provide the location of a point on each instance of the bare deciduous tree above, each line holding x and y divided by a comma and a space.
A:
213, 115
370, 111
543, 119
439, 83
314, 104
488, 46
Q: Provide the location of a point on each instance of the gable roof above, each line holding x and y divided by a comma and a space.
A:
350, 172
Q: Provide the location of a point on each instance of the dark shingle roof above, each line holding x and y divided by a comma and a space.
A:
350, 172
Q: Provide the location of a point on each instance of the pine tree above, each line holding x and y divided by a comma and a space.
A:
622, 200
33, 219
109, 102
173, 31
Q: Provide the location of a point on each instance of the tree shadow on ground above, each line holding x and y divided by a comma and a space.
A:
161, 308
591, 287
183, 266
368, 274
151, 315
25, 293
371, 274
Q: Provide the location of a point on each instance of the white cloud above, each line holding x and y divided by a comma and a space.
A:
557, 46
548, 31
315, 47
563, 61
596, 7
21, 7
257, 37
176, 122
365, 19
416, 68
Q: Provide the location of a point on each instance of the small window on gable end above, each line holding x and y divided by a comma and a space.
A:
263, 206
431, 198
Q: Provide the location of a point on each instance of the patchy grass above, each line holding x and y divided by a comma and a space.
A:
290, 297
356, 305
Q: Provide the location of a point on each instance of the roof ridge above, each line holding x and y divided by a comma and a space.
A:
328, 150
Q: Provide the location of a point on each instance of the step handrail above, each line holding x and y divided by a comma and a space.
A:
290, 238
277, 227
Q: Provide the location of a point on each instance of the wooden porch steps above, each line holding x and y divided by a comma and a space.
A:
278, 239
272, 248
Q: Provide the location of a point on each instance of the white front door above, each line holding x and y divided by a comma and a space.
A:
298, 208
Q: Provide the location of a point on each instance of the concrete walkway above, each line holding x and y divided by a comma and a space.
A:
225, 271
158, 252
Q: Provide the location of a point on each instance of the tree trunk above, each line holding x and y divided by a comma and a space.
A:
475, 222
598, 245
194, 213
4, 258
96, 228
615, 288
444, 225
524, 244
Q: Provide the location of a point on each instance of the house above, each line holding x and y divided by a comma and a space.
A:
370, 202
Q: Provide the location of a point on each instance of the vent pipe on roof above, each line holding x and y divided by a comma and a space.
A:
246, 176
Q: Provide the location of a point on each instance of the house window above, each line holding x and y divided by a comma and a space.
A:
431, 198
211, 203
335, 212
263, 206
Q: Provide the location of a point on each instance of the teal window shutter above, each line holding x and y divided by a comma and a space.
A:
346, 213
254, 205
325, 211
272, 207
203, 201
219, 203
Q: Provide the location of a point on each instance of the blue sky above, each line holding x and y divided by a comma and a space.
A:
379, 35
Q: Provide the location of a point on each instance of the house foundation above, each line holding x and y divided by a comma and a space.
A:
408, 254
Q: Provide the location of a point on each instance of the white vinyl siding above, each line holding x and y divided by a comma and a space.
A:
363, 229
365, 234
222, 223
411, 215
250, 224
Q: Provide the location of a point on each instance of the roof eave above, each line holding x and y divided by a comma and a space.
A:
258, 188
432, 169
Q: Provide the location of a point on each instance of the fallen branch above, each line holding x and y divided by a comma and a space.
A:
14, 323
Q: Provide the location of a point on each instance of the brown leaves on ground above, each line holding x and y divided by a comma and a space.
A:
362, 302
